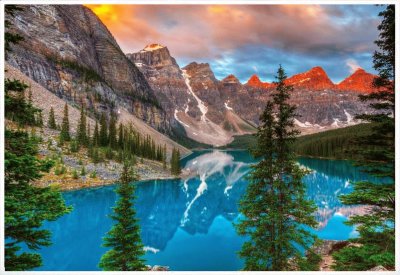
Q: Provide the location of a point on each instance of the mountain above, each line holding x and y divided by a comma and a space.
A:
314, 79
212, 111
360, 81
70, 52
255, 82
190, 96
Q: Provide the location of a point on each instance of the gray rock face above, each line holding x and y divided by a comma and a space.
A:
166, 79
69, 51
316, 110
189, 95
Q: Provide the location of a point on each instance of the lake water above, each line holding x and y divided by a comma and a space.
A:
188, 225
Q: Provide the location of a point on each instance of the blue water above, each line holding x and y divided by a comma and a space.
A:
188, 225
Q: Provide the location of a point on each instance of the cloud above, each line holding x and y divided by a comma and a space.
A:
222, 34
352, 64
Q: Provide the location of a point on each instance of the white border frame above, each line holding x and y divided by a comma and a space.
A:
191, 2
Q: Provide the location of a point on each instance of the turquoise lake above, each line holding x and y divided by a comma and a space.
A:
188, 224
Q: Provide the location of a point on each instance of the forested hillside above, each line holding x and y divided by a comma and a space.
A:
333, 144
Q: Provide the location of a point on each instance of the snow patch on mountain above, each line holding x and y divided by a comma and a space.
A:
227, 107
177, 119
200, 104
348, 116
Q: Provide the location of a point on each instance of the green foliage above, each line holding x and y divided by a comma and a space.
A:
83, 171
74, 146
93, 175
336, 144
309, 263
103, 138
109, 154
377, 228
75, 174
275, 208
10, 38
373, 249
95, 155
113, 133
22, 199
64, 134
52, 121
164, 157
96, 136
17, 108
81, 136
175, 162
124, 237
87, 74
246, 142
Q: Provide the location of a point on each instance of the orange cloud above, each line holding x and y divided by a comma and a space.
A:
209, 30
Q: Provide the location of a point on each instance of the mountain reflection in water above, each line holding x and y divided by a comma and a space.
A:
192, 218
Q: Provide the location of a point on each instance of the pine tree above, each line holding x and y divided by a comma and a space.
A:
39, 119
22, 199
103, 138
178, 162
96, 135
164, 157
124, 237
121, 136
64, 134
173, 162
81, 131
112, 129
26, 207
88, 134
274, 206
376, 228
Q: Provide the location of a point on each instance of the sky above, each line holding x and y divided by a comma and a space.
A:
252, 39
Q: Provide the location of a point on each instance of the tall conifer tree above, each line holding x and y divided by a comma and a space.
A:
52, 121
274, 206
26, 206
124, 237
103, 138
377, 228
64, 134
81, 133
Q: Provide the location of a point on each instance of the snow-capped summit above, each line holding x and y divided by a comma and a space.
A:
153, 47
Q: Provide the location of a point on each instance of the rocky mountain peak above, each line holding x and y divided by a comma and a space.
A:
314, 79
255, 82
231, 79
153, 47
359, 81
200, 71
153, 55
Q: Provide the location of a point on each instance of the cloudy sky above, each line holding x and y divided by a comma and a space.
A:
252, 39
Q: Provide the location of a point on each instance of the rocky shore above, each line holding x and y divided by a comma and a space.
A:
105, 172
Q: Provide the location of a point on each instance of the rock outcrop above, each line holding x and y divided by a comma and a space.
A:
314, 79
70, 52
190, 96
360, 81
255, 82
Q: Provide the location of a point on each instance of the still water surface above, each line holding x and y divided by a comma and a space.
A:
188, 224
